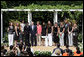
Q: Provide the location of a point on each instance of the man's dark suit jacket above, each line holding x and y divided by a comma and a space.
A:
34, 31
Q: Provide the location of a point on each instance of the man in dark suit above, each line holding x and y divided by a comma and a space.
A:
33, 31
26, 33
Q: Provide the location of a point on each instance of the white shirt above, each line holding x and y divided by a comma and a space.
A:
32, 27
22, 26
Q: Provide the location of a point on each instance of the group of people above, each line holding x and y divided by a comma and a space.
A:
22, 50
19, 50
66, 52
64, 33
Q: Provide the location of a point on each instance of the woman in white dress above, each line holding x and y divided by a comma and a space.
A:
70, 36
49, 34
11, 34
61, 34
22, 31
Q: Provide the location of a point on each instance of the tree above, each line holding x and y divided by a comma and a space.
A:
3, 4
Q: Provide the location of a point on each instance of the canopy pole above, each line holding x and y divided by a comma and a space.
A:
1, 27
55, 17
82, 29
29, 17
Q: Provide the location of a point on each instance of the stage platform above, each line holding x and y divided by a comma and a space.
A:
44, 48
48, 48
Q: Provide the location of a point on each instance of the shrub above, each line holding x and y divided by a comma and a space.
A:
43, 53
80, 36
80, 46
5, 39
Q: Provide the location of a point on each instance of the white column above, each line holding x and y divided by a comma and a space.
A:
1, 26
29, 17
82, 28
55, 16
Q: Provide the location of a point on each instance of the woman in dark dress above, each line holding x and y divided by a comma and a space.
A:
43, 29
17, 31
43, 32
75, 34
55, 34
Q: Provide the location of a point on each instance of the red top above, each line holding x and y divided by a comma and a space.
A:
39, 29
76, 54
80, 53
65, 54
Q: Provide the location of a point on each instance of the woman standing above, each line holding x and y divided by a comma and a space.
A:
70, 37
61, 34
22, 31
66, 32
10, 33
49, 34
39, 30
17, 31
55, 33
75, 34
43, 32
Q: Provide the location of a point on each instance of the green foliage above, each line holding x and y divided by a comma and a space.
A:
80, 46
43, 53
80, 37
36, 53
73, 21
35, 6
44, 4
14, 21
3, 4
5, 37
42, 16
